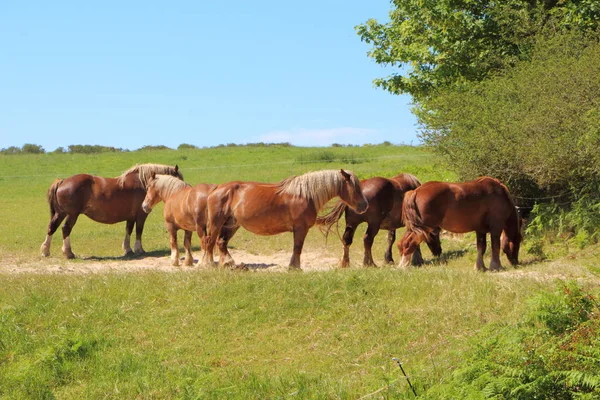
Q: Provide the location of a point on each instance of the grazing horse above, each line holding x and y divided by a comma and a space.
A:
291, 205
185, 208
483, 205
105, 200
385, 212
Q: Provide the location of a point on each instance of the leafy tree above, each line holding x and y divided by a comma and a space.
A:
444, 43
184, 146
32, 149
11, 150
537, 127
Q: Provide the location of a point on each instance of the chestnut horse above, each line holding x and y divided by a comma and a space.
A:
105, 200
185, 208
483, 205
288, 206
385, 212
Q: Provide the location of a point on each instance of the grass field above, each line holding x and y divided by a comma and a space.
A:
199, 333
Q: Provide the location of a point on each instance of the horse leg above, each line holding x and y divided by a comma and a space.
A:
495, 261
434, 243
139, 228
417, 257
187, 245
173, 243
347, 241
53, 225
209, 240
368, 239
127, 240
299, 236
66, 231
481, 246
391, 238
226, 234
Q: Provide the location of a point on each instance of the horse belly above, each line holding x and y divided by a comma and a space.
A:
265, 226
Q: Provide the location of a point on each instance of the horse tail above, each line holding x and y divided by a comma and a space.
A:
326, 221
51, 196
411, 217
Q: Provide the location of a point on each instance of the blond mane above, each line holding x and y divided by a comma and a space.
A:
145, 172
166, 185
318, 186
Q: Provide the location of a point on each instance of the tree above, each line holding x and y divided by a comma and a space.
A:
32, 148
445, 43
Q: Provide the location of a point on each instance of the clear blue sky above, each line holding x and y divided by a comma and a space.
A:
134, 73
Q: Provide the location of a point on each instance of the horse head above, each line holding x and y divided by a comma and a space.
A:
351, 192
152, 197
407, 246
511, 243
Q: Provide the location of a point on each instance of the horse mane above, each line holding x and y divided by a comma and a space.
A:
167, 185
410, 179
318, 186
145, 172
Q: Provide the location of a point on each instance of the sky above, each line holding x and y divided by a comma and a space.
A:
133, 73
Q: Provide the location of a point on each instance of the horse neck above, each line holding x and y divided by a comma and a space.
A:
166, 193
130, 181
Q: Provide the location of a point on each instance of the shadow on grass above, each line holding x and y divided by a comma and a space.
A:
131, 256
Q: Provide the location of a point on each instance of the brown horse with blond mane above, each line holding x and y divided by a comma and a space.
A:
385, 197
288, 206
105, 200
185, 208
483, 205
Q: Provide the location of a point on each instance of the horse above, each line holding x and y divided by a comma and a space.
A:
291, 205
384, 212
483, 205
185, 208
105, 200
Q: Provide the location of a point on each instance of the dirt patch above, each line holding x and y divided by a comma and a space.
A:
277, 262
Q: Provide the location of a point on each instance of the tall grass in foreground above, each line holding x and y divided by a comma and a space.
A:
216, 334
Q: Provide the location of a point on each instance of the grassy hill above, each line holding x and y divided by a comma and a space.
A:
220, 334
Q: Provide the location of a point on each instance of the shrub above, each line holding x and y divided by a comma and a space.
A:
537, 127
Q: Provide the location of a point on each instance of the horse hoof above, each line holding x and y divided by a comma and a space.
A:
45, 253
294, 269
70, 256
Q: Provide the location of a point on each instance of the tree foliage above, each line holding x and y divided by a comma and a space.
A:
537, 127
444, 43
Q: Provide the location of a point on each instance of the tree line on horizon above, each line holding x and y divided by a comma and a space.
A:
29, 148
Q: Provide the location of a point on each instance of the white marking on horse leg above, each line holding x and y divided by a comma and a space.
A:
495, 265
137, 248
66, 248
175, 257
45, 249
127, 244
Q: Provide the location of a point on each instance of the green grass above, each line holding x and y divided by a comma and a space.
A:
246, 335
220, 334
24, 181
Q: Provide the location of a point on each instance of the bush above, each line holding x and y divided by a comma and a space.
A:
537, 127
32, 149
92, 149
11, 150
553, 354
185, 146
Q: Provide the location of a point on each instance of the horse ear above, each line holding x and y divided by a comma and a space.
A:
176, 168
153, 175
345, 174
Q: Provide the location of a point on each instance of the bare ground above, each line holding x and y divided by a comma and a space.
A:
311, 261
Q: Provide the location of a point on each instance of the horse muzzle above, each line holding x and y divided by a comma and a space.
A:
146, 208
